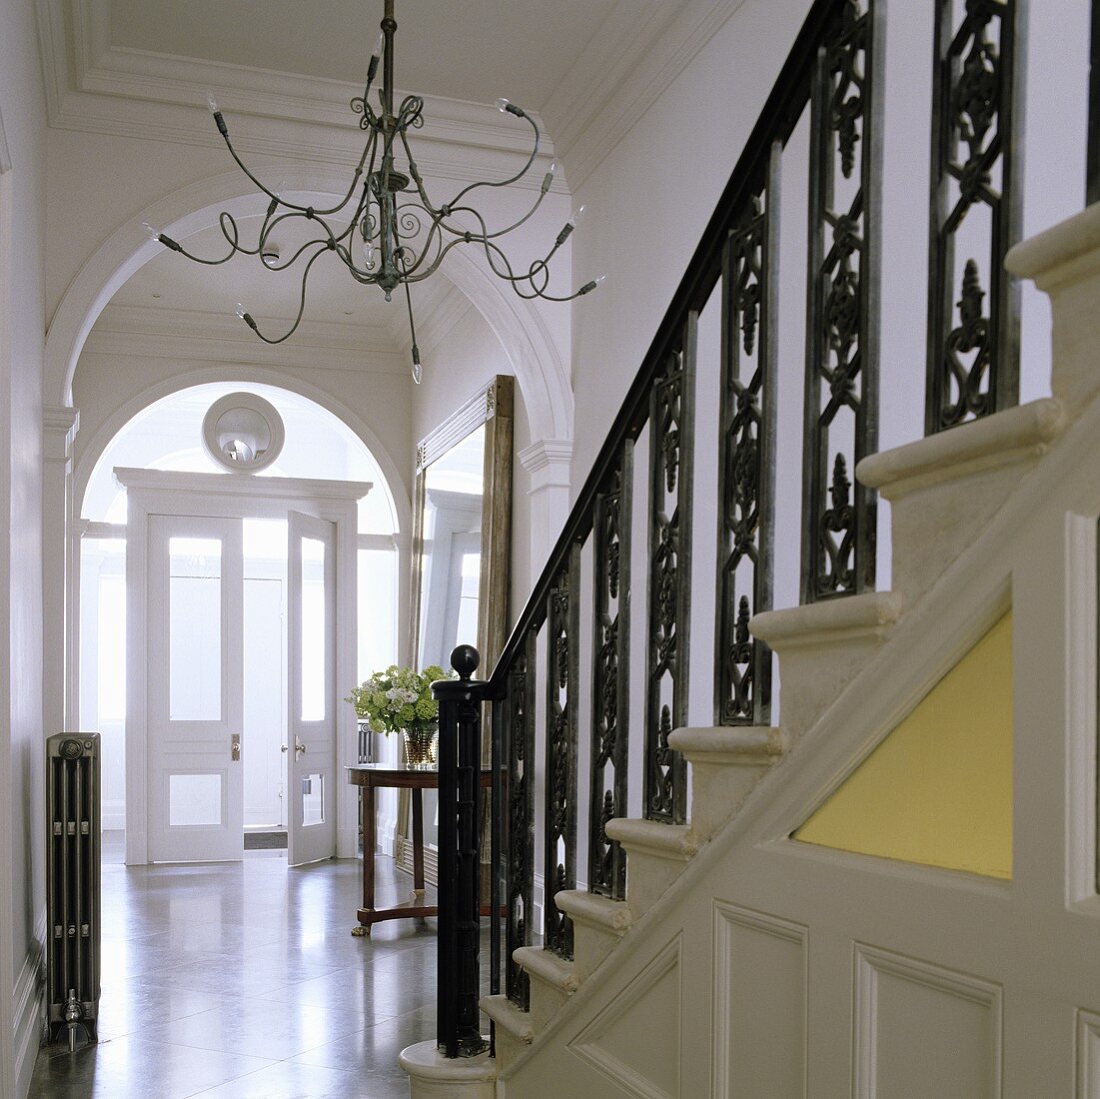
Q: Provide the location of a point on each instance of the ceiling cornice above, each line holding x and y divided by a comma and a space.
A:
213, 337
99, 88
623, 71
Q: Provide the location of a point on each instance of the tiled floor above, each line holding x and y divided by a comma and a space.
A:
243, 980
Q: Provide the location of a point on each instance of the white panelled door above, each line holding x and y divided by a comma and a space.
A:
195, 697
312, 721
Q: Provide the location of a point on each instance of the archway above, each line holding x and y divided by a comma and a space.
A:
538, 359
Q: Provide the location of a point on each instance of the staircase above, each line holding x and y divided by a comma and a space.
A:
693, 934
835, 658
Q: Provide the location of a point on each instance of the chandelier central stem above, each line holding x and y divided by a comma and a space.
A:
389, 28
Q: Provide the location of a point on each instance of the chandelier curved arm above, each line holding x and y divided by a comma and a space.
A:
511, 179
309, 210
251, 322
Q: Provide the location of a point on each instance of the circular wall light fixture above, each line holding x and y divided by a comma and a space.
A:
243, 432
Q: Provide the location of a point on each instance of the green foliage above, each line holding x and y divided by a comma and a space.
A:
398, 699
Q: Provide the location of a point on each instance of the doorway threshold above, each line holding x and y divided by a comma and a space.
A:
266, 840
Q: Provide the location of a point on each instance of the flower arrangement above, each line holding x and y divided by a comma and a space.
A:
399, 700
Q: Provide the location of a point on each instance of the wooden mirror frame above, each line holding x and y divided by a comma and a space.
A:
493, 407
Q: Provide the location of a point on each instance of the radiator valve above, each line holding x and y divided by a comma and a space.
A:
74, 1012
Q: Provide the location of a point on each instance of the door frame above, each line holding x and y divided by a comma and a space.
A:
235, 496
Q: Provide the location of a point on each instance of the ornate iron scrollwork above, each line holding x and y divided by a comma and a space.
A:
746, 465
671, 445
563, 630
841, 417
973, 363
611, 678
520, 719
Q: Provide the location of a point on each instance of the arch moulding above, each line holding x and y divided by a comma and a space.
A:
539, 366
91, 453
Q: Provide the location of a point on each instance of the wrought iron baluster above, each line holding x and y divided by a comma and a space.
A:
671, 454
746, 459
841, 407
1092, 176
610, 677
974, 358
560, 864
520, 841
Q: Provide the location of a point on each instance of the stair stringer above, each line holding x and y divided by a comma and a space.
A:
934, 632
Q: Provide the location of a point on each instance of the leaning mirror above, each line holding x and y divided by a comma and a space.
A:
461, 547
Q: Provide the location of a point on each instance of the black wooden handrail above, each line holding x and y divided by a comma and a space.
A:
776, 123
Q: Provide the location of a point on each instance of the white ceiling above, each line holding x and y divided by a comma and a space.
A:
587, 66
169, 281
474, 50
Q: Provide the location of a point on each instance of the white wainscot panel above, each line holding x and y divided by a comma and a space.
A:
759, 1005
1088, 1055
635, 1040
924, 1030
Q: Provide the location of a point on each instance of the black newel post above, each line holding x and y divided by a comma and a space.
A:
458, 1029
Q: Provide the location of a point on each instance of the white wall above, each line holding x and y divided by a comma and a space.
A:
23, 323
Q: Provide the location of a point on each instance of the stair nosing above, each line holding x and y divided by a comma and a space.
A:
593, 910
547, 967
854, 617
514, 1019
676, 842
987, 443
744, 745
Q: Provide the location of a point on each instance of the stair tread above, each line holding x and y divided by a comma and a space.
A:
986, 443
670, 841
812, 623
592, 909
547, 967
513, 1019
751, 744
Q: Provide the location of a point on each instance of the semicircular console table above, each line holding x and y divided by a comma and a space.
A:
370, 777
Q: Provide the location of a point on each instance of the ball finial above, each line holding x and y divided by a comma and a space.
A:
464, 660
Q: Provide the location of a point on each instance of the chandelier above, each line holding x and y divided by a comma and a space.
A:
386, 230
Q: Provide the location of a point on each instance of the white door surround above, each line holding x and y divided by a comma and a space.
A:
155, 492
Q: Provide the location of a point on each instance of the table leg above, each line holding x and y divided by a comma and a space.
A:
369, 843
418, 841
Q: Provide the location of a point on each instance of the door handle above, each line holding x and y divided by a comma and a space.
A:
299, 747
235, 750
284, 748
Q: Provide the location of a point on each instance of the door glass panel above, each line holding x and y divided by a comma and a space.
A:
195, 629
313, 799
313, 629
194, 800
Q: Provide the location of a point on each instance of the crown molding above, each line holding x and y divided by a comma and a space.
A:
199, 336
621, 74
95, 87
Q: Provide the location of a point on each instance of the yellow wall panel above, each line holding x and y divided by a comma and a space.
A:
938, 789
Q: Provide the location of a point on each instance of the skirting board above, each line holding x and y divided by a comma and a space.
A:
28, 1012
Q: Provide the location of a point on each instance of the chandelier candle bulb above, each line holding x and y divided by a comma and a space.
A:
212, 103
548, 179
150, 231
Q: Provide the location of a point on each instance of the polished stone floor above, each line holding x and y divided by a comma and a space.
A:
243, 980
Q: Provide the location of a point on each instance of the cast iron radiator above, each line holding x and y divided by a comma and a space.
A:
72, 884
